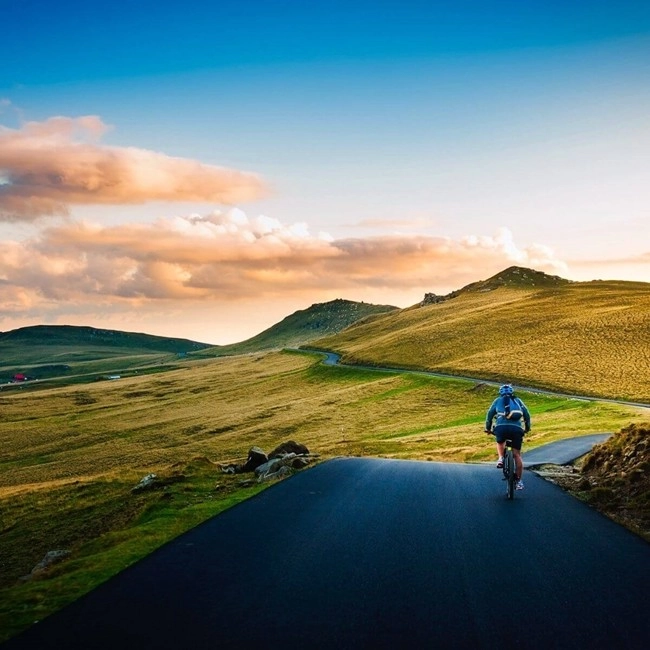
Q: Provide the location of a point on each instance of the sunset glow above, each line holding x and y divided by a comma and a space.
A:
202, 173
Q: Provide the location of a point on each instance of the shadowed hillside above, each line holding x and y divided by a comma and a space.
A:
523, 326
301, 327
91, 337
46, 351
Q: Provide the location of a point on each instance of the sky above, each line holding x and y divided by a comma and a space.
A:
202, 169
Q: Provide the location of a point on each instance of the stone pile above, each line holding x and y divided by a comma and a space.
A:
281, 462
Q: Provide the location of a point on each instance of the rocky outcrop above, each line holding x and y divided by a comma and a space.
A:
432, 299
281, 462
289, 447
618, 471
256, 457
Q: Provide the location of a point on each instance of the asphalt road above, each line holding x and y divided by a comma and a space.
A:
562, 452
372, 553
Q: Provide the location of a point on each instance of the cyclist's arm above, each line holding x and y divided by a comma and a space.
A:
489, 417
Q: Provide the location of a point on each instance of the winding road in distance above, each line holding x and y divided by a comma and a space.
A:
375, 553
333, 359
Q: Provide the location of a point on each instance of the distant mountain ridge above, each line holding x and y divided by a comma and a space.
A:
43, 352
66, 335
46, 351
514, 277
305, 325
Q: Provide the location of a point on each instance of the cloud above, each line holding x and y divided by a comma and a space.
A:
227, 256
47, 166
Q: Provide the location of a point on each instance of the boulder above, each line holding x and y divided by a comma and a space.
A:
299, 462
281, 473
269, 467
288, 447
256, 457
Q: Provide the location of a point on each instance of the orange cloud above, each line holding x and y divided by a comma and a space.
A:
227, 256
47, 166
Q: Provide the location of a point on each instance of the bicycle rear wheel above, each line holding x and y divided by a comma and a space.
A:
511, 479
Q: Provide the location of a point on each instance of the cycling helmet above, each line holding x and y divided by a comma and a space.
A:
506, 389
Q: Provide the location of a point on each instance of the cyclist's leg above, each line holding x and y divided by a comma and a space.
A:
514, 433
519, 463
502, 433
517, 441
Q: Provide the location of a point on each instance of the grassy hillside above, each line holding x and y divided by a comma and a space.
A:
47, 351
591, 338
78, 451
91, 337
303, 326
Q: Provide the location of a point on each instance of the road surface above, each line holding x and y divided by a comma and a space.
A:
375, 553
562, 452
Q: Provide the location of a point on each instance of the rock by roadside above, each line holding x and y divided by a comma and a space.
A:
614, 478
278, 464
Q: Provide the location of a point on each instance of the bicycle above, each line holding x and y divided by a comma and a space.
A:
509, 470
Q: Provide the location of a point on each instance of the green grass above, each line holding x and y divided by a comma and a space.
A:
583, 338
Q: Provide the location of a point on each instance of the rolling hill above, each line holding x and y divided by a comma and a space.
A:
305, 325
523, 326
91, 337
46, 351
49, 351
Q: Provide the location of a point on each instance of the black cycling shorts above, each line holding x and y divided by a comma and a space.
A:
512, 432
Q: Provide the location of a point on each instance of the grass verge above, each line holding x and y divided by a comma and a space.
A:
107, 528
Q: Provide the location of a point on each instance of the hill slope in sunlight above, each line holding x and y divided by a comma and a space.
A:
523, 326
305, 325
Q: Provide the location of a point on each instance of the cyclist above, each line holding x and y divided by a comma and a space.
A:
512, 422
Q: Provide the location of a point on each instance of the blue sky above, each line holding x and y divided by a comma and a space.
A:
407, 146
148, 37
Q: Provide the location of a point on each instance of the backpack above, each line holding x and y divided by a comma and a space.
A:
514, 414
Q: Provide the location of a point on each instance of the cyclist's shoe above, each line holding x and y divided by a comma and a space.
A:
500, 462
520, 485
